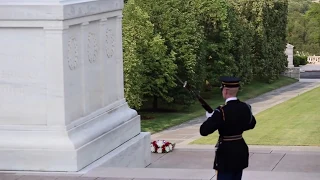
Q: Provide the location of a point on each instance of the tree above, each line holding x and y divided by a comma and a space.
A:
313, 29
201, 40
242, 41
275, 16
134, 26
212, 16
297, 24
159, 70
175, 21
269, 20
297, 30
148, 69
300, 6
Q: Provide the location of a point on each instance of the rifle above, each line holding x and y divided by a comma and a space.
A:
204, 104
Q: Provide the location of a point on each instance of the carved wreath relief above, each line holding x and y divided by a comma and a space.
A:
92, 47
110, 43
73, 53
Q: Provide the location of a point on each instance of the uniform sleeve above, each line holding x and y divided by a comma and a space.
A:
212, 123
252, 122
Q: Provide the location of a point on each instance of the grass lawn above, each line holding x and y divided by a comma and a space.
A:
295, 122
162, 121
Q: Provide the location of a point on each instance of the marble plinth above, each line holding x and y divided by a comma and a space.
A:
62, 101
289, 53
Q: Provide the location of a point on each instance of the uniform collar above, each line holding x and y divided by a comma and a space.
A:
231, 99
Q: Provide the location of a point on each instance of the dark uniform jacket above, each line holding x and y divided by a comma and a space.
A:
231, 120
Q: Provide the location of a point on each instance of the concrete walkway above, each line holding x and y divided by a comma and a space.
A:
310, 67
189, 131
195, 162
311, 71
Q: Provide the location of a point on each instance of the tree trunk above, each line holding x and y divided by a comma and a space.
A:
155, 102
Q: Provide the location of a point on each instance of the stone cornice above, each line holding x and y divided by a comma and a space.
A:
55, 10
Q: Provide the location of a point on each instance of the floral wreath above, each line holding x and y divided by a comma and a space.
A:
161, 146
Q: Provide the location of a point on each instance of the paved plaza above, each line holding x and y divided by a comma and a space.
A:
310, 71
310, 67
195, 161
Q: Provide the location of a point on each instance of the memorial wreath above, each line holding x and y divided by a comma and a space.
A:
161, 146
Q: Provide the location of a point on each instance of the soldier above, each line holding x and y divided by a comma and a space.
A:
231, 120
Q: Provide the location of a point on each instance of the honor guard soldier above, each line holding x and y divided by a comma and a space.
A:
231, 120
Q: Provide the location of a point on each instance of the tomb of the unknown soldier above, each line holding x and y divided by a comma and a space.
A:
62, 104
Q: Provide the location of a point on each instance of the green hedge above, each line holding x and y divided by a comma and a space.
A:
199, 40
299, 60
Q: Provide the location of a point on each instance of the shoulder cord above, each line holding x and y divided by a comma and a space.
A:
222, 111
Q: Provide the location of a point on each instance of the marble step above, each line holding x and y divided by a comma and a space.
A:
194, 174
160, 174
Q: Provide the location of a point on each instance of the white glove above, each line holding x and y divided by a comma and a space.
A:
209, 114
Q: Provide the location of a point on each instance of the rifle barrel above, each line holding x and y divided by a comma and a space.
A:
204, 104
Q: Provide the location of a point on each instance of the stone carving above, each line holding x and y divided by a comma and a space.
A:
73, 54
17, 75
72, 11
314, 59
110, 43
92, 47
11, 90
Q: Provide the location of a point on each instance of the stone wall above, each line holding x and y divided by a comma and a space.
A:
293, 72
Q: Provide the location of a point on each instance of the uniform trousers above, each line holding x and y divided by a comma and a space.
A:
229, 175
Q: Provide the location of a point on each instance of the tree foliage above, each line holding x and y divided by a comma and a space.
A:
275, 35
134, 25
303, 26
176, 23
313, 29
212, 16
243, 33
269, 20
200, 40
148, 70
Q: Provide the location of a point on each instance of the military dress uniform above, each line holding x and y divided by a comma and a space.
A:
231, 120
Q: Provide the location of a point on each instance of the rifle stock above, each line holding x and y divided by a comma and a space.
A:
205, 105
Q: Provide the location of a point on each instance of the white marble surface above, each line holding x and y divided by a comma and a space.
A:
135, 153
61, 84
55, 9
289, 53
314, 60
60, 151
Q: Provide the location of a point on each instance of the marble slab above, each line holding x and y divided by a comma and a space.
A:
309, 163
264, 162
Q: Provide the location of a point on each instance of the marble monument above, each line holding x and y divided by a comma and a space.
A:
62, 104
291, 71
289, 53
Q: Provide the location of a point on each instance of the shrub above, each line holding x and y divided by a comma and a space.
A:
299, 60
